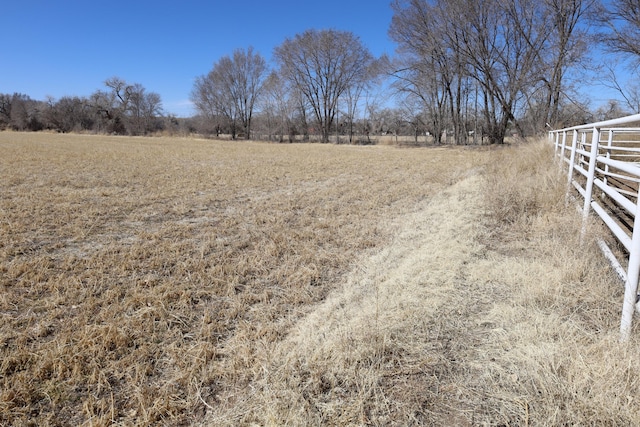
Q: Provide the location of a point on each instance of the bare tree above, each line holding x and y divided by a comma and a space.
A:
358, 96
565, 47
619, 31
279, 107
125, 108
611, 110
351, 97
620, 27
502, 42
5, 110
516, 51
68, 114
432, 67
231, 89
323, 66
142, 109
630, 92
108, 116
20, 112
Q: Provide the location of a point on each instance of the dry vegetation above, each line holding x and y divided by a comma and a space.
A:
142, 278
180, 282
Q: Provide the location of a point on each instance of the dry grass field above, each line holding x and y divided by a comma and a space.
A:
160, 281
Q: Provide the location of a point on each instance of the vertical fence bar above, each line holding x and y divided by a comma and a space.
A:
564, 146
572, 159
572, 156
606, 167
583, 146
633, 272
595, 138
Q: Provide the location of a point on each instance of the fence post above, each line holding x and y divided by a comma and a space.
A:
588, 190
631, 286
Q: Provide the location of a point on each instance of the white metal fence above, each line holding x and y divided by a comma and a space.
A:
602, 161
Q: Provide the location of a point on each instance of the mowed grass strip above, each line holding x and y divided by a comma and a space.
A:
485, 309
139, 276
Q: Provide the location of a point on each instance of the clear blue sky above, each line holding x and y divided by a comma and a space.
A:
58, 48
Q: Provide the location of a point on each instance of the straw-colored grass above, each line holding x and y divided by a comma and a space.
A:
188, 282
143, 279
483, 310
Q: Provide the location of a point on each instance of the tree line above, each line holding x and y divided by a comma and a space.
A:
320, 74
122, 108
463, 72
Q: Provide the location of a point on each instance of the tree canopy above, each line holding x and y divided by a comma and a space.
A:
323, 66
231, 88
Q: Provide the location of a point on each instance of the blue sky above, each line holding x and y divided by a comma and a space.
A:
59, 48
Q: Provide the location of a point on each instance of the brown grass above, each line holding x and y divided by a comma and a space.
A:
142, 278
475, 314
187, 282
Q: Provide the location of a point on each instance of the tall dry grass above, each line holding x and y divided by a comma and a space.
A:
549, 352
142, 280
372, 352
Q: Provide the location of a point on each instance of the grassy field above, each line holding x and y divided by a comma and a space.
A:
160, 281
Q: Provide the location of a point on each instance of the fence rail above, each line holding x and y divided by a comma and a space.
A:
602, 161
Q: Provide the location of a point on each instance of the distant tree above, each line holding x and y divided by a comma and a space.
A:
126, 108
322, 66
502, 43
500, 55
231, 89
20, 112
143, 110
279, 107
433, 67
5, 110
611, 110
68, 114
565, 47
572, 114
619, 31
629, 91
108, 117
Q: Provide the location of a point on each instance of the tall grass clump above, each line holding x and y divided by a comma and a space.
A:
523, 183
